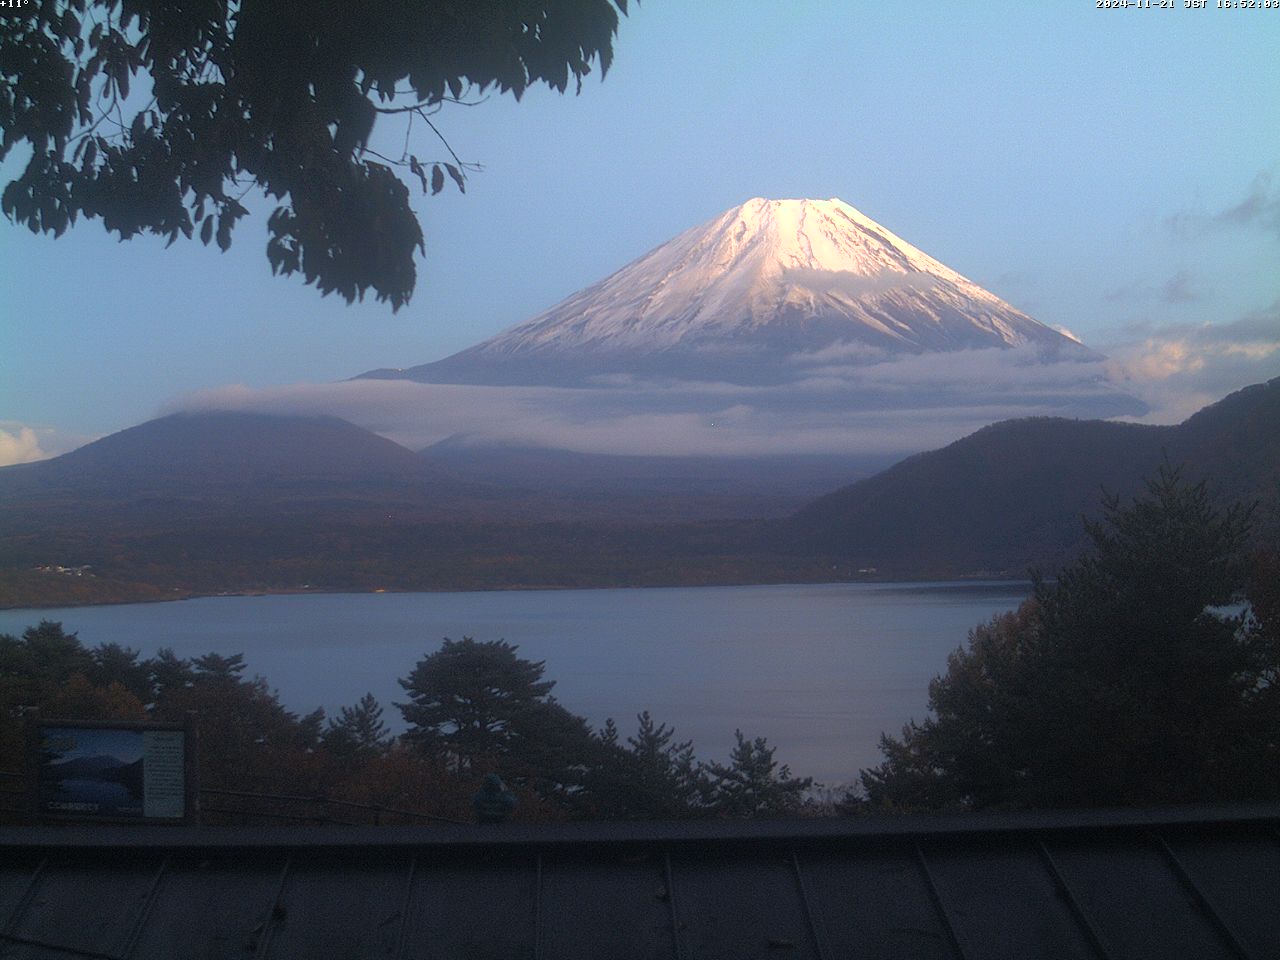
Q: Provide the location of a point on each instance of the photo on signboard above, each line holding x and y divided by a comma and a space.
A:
87, 770
102, 772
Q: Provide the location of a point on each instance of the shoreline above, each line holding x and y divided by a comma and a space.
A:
980, 577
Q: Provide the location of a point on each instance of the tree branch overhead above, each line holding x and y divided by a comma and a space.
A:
285, 94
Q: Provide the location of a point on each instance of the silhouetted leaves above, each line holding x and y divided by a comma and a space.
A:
457, 177
468, 697
752, 784
1122, 682
476, 708
277, 96
359, 730
652, 777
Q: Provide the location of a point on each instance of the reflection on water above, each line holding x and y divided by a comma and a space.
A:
92, 796
819, 669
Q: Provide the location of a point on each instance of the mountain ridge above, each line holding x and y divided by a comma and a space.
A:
220, 446
219, 462
1005, 498
1010, 496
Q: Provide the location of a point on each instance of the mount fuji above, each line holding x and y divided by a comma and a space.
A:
764, 294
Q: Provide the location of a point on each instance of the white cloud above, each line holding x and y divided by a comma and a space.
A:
1179, 368
19, 444
838, 403
1156, 358
844, 406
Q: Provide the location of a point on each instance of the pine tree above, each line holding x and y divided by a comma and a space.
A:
465, 697
113, 663
752, 784
1121, 682
359, 730
169, 673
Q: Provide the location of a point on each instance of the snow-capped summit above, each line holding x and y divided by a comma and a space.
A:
748, 296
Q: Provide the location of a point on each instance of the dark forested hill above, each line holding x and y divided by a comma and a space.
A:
789, 480
1010, 496
234, 502
1235, 444
214, 502
199, 451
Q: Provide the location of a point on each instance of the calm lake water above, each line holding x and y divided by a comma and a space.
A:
820, 670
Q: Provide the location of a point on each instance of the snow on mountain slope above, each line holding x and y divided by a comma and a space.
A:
767, 281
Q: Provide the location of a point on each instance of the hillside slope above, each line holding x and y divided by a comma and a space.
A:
1010, 496
199, 451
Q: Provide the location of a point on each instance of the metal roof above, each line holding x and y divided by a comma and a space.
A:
1190, 882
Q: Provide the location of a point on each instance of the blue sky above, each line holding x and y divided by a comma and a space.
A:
1114, 172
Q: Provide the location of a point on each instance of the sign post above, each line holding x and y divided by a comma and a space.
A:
118, 772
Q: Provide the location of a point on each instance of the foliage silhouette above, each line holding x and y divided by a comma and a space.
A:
752, 784
282, 96
652, 776
467, 698
1123, 682
359, 730
476, 709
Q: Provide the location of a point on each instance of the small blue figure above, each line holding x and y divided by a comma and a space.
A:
494, 802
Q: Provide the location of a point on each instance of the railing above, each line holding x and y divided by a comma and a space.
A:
243, 806
379, 813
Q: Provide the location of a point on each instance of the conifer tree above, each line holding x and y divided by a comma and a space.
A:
359, 730
752, 784
465, 697
1122, 682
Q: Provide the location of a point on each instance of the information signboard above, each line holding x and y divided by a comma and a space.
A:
131, 772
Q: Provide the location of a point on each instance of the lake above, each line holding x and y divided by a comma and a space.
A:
819, 669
